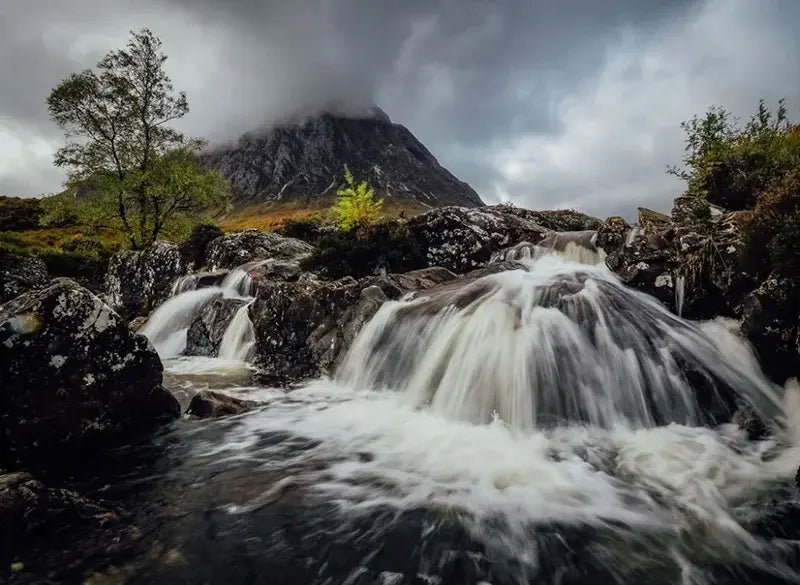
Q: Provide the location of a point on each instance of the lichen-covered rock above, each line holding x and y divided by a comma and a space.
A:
771, 321
612, 233
557, 220
646, 264
208, 404
72, 375
304, 328
653, 221
461, 239
137, 282
20, 273
233, 250
208, 327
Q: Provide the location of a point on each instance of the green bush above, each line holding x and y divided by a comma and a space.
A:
773, 229
366, 250
730, 165
308, 229
17, 213
356, 205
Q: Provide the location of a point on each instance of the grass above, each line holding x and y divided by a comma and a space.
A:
271, 216
57, 238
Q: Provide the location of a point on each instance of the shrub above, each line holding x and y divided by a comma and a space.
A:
772, 229
730, 165
308, 229
17, 213
193, 249
356, 205
368, 249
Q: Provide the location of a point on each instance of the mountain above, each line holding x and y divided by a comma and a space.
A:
304, 162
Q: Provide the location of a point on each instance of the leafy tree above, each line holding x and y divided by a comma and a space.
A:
356, 204
128, 168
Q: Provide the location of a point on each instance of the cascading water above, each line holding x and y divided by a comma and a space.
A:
557, 342
543, 425
167, 326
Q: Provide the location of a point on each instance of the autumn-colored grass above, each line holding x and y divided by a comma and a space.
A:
271, 216
57, 238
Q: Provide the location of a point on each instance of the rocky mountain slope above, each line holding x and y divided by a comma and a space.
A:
304, 161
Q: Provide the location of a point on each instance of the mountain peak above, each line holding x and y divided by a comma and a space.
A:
303, 158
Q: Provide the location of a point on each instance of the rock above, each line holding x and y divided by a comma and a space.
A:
558, 220
137, 323
27, 506
137, 282
20, 273
612, 233
234, 250
209, 325
461, 239
747, 420
304, 160
770, 321
652, 221
646, 265
304, 328
208, 404
73, 376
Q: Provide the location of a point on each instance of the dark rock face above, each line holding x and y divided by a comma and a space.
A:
208, 327
771, 320
612, 233
137, 282
462, 239
303, 329
306, 160
19, 274
558, 220
72, 374
234, 250
208, 404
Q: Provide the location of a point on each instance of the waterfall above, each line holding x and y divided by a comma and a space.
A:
167, 326
558, 341
579, 247
240, 337
680, 292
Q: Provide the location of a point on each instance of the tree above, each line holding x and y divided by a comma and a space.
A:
356, 204
128, 168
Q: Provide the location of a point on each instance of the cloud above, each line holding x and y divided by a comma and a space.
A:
619, 129
546, 104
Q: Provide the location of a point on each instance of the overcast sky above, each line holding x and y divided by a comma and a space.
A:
568, 103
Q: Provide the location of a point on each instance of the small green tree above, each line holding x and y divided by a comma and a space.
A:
356, 204
128, 169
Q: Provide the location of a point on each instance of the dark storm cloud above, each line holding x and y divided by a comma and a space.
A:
568, 103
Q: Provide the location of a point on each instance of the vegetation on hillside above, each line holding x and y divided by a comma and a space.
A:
129, 170
753, 168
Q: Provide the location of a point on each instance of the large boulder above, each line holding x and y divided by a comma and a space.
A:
208, 326
20, 273
557, 220
770, 317
304, 328
137, 282
208, 404
461, 239
73, 376
233, 250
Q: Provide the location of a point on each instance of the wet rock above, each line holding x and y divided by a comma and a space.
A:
20, 273
137, 323
646, 265
233, 250
770, 321
304, 328
460, 239
558, 220
27, 506
208, 327
208, 404
73, 376
611, 234
747, 420
137, 282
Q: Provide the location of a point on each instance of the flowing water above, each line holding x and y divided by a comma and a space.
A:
541, 426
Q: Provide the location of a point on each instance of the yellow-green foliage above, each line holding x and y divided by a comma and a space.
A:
356, 204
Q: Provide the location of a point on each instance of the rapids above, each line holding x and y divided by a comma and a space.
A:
541, 425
